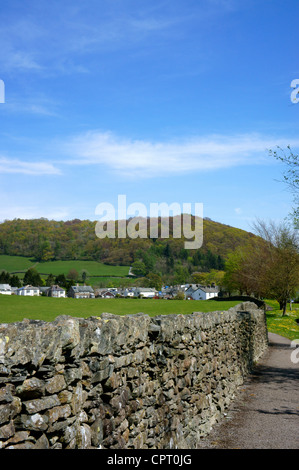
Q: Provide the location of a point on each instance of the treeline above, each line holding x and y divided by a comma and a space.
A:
33, 278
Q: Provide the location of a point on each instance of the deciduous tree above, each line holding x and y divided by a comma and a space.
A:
268, 267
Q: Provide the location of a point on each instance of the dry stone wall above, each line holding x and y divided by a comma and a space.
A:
131, 382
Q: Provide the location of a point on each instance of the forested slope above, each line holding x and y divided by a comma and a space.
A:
46, 240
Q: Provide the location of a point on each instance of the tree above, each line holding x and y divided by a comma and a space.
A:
72, 274
15, 281
84, 275
181, 275
60, 280
268, 267
139, 268
153, 280
282, 273
32, 278
290, 176
4, 277
50, 281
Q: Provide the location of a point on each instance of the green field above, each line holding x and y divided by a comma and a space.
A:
16, 308
21, 264
15, 263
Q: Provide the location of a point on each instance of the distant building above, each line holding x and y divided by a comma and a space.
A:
145, 292
5, 289
128, 292
81, 292
198, 292
28, 290
55, 291
105, 293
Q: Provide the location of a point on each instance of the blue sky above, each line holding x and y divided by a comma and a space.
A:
165, 101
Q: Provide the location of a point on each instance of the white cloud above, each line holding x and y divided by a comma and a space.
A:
8, 165
148, 158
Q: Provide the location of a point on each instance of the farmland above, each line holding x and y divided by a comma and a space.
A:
16, 308
94, 269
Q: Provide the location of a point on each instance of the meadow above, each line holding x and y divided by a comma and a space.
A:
95, 270
16, 308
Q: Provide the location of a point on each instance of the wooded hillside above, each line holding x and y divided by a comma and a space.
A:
46, 240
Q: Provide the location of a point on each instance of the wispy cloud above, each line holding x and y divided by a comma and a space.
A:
8, 165
149, 159
21, 61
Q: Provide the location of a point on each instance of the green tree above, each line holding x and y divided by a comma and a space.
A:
50, 281
181, 275
84, 275
268, 267
15, 281
60, 280
32, 278
153, 280
46, 252
4, 277
139, 268
290, 176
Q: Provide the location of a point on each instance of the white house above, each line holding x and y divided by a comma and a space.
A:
56, 291
81, 292
128, 292
28, 290
204, 293
5, 289
106, 294
189, 291
145, 292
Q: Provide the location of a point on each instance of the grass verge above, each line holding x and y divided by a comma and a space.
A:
285, 326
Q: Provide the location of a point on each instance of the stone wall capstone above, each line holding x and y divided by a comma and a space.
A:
124, 382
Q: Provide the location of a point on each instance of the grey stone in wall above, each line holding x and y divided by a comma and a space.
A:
118, 382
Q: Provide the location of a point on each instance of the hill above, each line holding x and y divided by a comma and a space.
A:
46, 241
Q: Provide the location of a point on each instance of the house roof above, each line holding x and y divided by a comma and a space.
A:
56, 288
209, 290
82, 289
145, 289
28, 288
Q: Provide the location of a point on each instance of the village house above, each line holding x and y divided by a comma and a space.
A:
145, 292
55, 291
198, 292
128, 292
105, 293
5, 289
28, 290
81, 292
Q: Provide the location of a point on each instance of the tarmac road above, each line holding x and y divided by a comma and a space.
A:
265, 412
